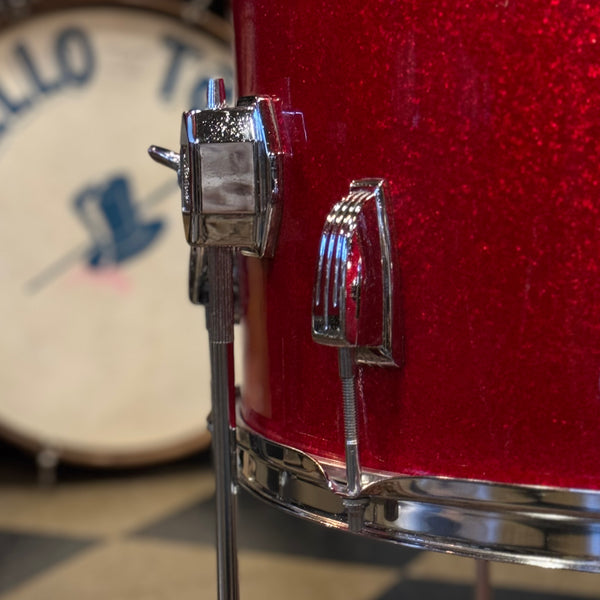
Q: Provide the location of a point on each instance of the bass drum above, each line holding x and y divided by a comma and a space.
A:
441, 225
98, 362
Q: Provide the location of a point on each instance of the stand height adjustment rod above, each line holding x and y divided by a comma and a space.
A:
228, 168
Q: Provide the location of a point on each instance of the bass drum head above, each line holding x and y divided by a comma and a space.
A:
103, 360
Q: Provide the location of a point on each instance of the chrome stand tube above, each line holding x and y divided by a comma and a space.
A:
483, 590
220, 335
228, 169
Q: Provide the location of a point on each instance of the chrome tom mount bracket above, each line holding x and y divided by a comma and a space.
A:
353, 307
229, 172
229, 169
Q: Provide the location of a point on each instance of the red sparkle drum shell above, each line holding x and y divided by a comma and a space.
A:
484, 118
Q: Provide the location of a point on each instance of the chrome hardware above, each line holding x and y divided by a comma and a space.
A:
198, 282
352, 303
483, 588
346, 366
165, 157
198, 276
354, 505
47, 460
228, 169
220, 333
534, 525
352, 306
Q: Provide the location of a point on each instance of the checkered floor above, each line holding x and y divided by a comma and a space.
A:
148, 535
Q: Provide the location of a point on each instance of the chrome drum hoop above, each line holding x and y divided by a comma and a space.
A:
532, 525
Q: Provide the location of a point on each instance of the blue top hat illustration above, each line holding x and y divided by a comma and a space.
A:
112, 219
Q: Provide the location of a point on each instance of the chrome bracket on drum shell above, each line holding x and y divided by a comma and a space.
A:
352, 306
352, 300
229, 168
533, 525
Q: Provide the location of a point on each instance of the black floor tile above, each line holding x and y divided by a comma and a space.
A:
22, 555
265, 528
430, 590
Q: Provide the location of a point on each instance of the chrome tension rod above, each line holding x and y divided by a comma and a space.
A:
355, 249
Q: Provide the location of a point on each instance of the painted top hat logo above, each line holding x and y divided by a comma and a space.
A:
111, 217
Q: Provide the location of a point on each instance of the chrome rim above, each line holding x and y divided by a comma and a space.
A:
534, 525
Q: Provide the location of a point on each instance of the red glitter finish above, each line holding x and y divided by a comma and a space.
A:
484, 117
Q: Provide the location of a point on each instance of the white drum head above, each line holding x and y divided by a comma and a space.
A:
103, 359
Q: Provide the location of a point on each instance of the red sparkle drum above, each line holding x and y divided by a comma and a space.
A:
476, 242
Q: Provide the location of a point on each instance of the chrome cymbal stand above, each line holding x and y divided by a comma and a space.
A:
228, 169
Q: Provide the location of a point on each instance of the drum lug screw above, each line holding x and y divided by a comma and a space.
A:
355, 256
355, 511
